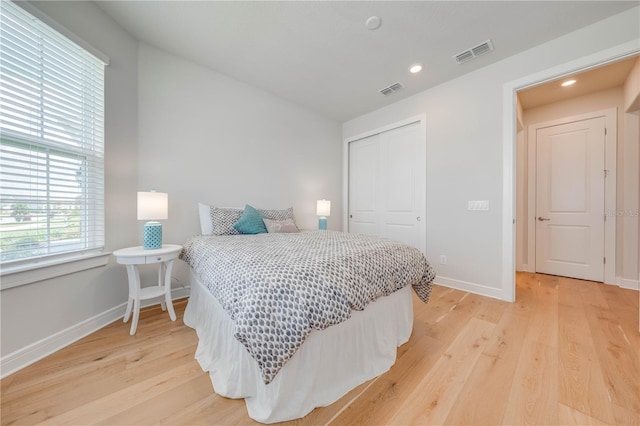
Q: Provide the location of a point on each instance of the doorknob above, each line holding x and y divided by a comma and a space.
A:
350, 216
418, 218
541, 219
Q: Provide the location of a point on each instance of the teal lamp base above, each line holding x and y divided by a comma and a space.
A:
152, 235
322, 223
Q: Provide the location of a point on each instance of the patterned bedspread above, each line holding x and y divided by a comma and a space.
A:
279, 287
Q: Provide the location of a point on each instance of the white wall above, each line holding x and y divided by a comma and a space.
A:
627, 170
465, 152
35, 314
632, 89
206, 137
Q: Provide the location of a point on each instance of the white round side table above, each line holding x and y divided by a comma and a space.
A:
132, 257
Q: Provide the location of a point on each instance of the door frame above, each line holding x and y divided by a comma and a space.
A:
422, 120
610, 159
509, 140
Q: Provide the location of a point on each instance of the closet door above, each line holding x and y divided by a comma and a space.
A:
387, 185
364, 172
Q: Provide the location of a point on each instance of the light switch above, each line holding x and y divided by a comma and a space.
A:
482, 205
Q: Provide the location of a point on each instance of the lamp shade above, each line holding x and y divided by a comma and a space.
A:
323, 208
153, 205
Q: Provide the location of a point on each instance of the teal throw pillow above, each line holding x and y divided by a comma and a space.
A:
250, 222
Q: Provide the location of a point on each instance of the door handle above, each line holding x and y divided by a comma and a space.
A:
542, 219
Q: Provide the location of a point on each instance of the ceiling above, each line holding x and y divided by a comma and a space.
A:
593, 80
320, 55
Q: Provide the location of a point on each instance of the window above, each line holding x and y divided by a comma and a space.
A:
51, 143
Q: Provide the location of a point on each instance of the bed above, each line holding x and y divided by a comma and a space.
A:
293, 321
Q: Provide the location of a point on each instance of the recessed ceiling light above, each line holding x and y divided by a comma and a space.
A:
568, 83
373, 22
416, 68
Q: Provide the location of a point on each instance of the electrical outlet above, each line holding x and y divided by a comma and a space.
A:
443, 259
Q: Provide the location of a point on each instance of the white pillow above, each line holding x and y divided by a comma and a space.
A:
206, 227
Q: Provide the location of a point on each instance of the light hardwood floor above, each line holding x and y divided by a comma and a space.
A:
567, 352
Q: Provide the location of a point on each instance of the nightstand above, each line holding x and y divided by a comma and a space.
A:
132, 257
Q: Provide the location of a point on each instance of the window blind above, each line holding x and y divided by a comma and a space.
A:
51, 142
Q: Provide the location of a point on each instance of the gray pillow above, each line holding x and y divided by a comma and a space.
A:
223, 220
280, 226
278, 214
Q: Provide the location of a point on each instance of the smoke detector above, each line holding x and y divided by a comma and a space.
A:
474, 52
373, 22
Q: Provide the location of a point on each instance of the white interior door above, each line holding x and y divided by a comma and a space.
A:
570, 199
364, 170
403, 185
387, 185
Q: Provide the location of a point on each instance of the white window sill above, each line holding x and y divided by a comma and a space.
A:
27, 274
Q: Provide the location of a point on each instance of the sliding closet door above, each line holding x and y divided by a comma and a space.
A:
387, 185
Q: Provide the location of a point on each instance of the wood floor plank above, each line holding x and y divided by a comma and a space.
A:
489, 309
156, 409
624, 416
484, 395
592, 295
442, 302
211, 409
380, 400
570, 416
98, 410
533, 398
581, 385
618, 356
525, 291
569, 292
624, 304
622, 298
434, 396
543, 322
53, 397
449, 315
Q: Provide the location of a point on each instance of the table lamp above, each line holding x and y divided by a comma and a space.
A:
323, 209
153, 206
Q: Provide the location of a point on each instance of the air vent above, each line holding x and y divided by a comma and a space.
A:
464, 56
474, 52
391, 89
482, 48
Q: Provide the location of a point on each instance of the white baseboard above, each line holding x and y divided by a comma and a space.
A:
629, 284
479, 289
525, 268
21, 358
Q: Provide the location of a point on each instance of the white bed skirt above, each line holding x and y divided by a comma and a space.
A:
329, 364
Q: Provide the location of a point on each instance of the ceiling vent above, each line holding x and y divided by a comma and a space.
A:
391, 89
475, 51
